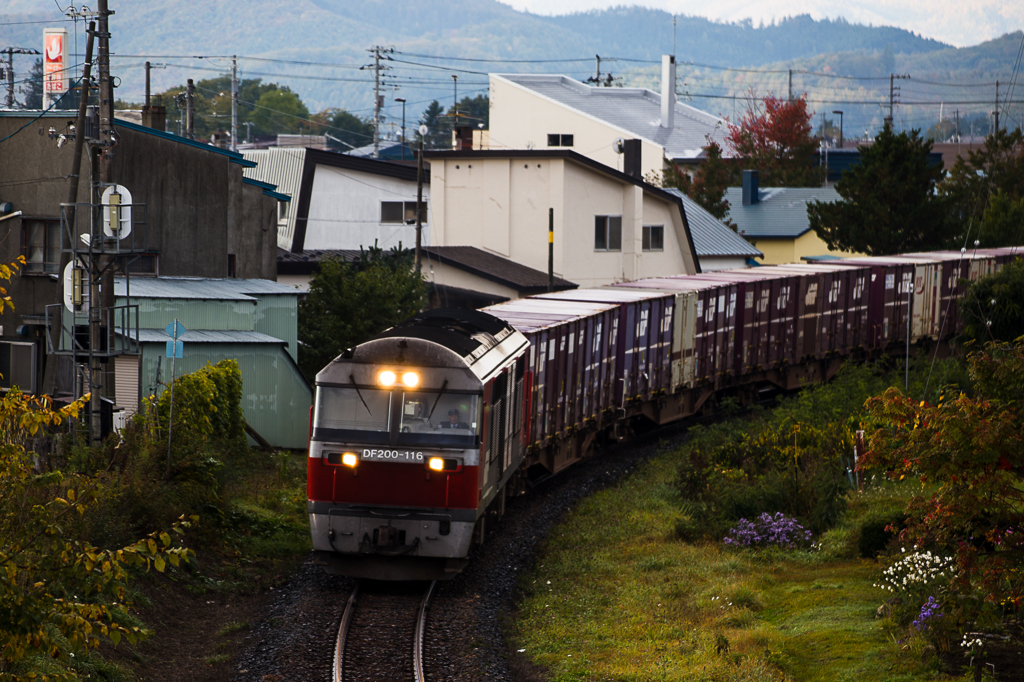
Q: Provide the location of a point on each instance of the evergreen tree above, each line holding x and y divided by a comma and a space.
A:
986, 192
708, 185
439, 127
888, 203
32, 90
345, 126
349, 303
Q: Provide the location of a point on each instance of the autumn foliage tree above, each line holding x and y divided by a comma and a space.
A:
774, 138
968, 453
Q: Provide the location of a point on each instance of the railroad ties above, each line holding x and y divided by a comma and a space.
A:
381, 632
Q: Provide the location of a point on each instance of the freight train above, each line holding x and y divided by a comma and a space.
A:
420, 435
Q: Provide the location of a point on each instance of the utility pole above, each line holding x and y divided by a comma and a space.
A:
76, 160
101, 295
791, 85
551, 249
893, 93
378, 100
190, 110
234, 103
996, 112
148, 67
419, 201
10, 52
402, 100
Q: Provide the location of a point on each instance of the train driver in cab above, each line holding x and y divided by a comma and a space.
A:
453, 421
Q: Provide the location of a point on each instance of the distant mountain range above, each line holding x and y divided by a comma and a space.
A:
426, 35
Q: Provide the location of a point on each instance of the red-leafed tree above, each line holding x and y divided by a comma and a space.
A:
774, 138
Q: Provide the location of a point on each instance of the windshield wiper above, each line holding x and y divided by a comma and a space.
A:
440, 393
353, 380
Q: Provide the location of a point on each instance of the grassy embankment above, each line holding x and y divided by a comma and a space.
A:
618, 595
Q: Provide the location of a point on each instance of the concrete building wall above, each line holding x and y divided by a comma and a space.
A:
198, 211
501, 205
521, 119
345, 210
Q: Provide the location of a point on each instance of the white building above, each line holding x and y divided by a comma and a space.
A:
530, 111
341, 201
608, 226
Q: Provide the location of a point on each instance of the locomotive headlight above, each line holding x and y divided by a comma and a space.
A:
349, 459
386, 378
411, 379
442, 464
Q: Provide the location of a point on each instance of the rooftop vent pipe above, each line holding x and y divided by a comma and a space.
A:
668, 91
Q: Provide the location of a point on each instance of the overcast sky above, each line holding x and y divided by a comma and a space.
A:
958, 22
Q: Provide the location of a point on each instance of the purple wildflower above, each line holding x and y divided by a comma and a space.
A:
931, 610
766, 529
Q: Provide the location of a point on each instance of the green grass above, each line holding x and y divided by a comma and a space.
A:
232, 627
616, 597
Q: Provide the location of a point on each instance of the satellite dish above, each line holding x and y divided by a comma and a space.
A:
117, 211
619, 145
76, 288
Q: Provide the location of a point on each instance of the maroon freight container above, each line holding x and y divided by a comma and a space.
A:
708, 311
889, 303
569, 387
834, 312
643, 352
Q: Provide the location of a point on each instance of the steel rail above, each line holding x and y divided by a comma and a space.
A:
417, 644
339, 646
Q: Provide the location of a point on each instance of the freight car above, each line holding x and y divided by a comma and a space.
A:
421, 434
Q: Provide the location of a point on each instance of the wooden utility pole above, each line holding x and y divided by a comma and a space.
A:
996, 112
190, 110
419, 202
551, 249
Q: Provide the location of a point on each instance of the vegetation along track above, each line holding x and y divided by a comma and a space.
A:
381, 632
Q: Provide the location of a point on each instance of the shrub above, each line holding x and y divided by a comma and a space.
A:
876, 534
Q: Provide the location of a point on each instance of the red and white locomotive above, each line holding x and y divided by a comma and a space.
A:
413, 435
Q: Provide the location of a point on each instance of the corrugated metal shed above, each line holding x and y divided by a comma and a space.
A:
636, 110
281, 167
275, 395
252, 321
712, 237
780, 212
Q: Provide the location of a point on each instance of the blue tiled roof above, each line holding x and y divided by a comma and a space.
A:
712, 237
780, 213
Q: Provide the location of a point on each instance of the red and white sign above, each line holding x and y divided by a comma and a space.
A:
55, 59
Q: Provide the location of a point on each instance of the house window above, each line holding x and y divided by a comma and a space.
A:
555, 140
400, 212
41, 245
608, 233
654, 238
143, 265
18, 365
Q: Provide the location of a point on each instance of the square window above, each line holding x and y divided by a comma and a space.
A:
410, 212
392, 212
607, 233
566, 140
554, 140
41, 245
654, 238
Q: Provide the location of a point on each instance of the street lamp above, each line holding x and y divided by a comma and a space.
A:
402, 100
840, 128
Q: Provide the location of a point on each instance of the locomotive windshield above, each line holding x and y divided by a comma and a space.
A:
397, 417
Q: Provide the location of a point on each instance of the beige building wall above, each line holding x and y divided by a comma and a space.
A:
501, 205
779, 251
522, 119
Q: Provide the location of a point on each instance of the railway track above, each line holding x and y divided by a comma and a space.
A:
381, 633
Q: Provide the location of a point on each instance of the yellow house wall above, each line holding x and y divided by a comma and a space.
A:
779, 251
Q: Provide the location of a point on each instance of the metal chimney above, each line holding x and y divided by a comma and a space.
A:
668, 90
750, 188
